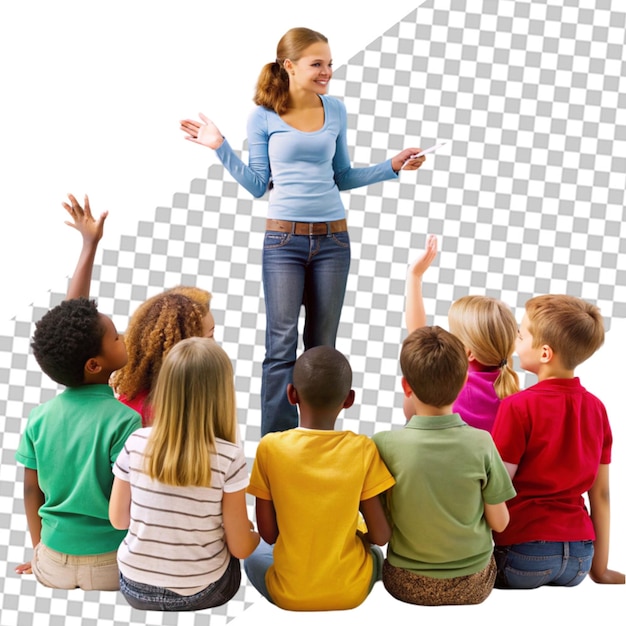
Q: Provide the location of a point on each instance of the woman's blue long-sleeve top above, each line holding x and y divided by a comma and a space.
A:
308, 169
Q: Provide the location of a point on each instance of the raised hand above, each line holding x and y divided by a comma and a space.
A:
422, 263
83, 221
205, 132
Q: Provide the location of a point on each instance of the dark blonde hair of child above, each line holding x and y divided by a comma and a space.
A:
573, 328
434, 364
272, 89
194, 402
154, 329
488, 329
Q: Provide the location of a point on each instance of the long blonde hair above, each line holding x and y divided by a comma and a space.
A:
194, 402
488, 329
272, 89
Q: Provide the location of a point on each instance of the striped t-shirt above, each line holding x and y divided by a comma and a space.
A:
175, 539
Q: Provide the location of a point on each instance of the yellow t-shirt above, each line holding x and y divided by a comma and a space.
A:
316, 479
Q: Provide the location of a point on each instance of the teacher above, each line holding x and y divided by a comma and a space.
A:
298, 149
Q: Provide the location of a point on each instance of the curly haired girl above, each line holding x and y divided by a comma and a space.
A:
154, 329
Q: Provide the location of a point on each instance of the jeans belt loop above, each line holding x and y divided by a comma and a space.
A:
328, 230
311, 227
293, 228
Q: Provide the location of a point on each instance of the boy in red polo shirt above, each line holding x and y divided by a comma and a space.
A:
555, 440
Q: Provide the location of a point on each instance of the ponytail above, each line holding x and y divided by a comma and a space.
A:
507, 382
272, 88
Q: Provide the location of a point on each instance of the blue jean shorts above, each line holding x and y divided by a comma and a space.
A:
537, 563
151, 598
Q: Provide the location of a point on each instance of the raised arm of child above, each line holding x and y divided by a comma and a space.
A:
33, 500
378, 528
415, 313
91, 231
599, 503
241, 538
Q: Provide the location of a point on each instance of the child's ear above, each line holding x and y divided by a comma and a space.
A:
470, 356
408, 392
349, 401
292, 394
92, 366
547, 354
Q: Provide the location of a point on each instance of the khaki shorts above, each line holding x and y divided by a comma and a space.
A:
67, 571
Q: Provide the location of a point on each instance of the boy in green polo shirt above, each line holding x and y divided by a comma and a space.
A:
71, 442
69, 446
451, 485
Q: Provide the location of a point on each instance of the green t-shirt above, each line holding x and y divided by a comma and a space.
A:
445, 472
72, 442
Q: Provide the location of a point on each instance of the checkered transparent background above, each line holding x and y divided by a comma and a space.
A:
528, 198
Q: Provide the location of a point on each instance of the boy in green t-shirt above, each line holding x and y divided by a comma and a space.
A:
71, 441
451, 485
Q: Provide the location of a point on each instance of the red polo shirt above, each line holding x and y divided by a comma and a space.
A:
557, 434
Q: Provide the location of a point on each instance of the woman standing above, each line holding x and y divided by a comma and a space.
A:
297, 148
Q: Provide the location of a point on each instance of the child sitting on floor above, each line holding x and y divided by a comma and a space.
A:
310, 483
71, 441
555, 440
179, 489
451, 485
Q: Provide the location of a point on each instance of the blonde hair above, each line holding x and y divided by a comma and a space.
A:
573, 328
488, 329
272, 89
194, 402
155, 327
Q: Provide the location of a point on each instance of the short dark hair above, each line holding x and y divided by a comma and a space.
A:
322, 377
434, 364
65, 338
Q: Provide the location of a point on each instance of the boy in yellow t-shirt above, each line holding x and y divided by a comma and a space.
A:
310, 483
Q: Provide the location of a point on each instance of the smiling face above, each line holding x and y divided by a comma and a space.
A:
313, 70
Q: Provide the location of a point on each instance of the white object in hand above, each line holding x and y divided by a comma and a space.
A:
431, 149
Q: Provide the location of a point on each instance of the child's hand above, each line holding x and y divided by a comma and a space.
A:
205, 132
420, 265
84, 223
24, 568
608, 577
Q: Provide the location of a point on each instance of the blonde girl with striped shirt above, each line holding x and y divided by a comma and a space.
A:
179, 489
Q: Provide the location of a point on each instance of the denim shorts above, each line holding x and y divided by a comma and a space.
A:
151, 598
537, 563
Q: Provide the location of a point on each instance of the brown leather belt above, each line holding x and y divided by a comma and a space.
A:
307, 228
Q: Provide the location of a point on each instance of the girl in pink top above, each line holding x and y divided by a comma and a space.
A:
488, 330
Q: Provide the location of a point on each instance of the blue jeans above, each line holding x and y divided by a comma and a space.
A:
536, 563
151, 598
257, 564
309, 270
